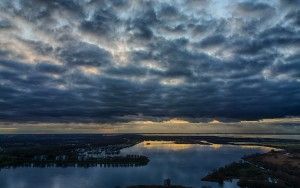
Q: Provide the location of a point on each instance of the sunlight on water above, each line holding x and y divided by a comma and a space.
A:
173, 146
166, 145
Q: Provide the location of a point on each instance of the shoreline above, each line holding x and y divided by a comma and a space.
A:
81, 144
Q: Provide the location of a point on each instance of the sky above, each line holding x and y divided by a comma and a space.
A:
118, 61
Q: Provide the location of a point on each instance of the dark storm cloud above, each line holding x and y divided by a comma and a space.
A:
168, 11
5, 24
212, 41
117, 60
253, 7
84, 54
40, 47
255, 10
294, 18
290, 3
102, 23
49, 67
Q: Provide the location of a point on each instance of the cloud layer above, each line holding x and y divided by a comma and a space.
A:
67, 60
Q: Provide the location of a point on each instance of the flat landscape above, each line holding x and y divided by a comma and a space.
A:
279, 167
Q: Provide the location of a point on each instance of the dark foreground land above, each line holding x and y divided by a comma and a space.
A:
279, 168
260, 174
274, 169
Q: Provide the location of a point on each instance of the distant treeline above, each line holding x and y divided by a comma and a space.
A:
110, 161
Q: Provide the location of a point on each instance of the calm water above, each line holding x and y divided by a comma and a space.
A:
237, 135
184, 164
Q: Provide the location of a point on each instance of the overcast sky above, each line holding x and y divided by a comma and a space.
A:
116, 61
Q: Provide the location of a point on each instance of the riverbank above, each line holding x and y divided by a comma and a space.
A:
272, 169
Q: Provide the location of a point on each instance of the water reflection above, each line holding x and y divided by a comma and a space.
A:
184, 164
236, 135
160, 145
